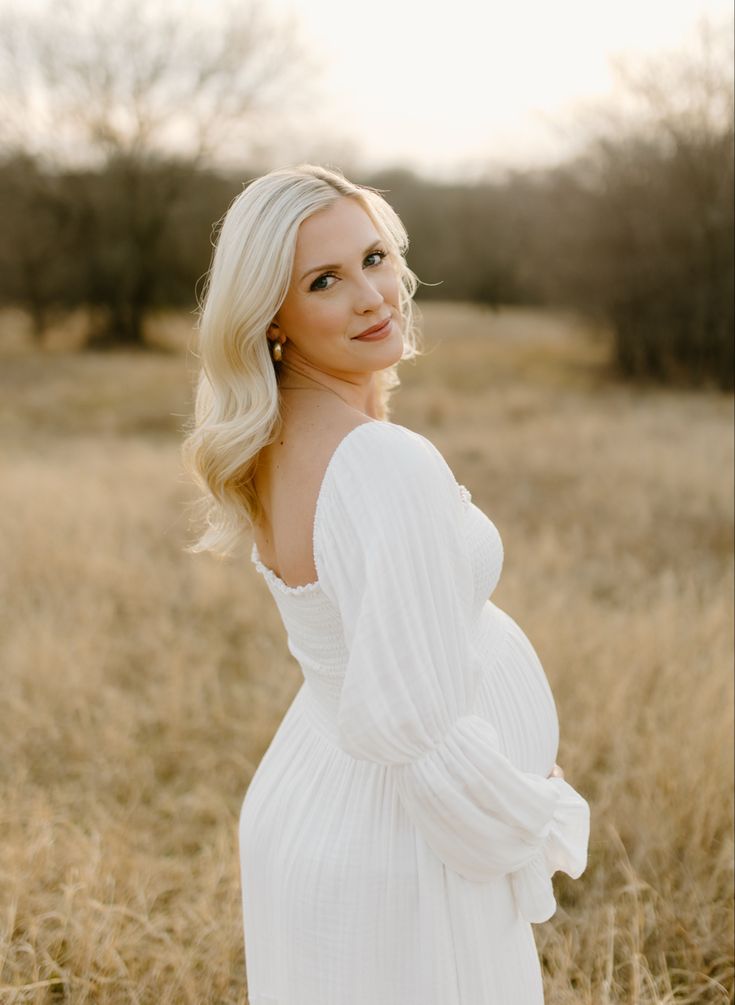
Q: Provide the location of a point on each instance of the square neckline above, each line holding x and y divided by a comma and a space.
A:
315, 587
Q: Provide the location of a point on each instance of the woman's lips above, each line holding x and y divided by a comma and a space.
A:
376, 332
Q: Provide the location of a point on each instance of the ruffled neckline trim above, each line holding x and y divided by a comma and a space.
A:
277, 583
308, 588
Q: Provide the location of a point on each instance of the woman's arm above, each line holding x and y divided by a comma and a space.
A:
392, 556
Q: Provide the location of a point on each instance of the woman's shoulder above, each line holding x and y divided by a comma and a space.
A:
384, 482
379, 457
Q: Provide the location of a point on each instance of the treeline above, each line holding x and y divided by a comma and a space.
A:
637, 230
641, 237
637, 234
122, 241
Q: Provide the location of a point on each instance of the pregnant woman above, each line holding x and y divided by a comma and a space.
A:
400, 833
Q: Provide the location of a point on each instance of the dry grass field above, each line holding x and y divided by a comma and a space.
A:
141, 685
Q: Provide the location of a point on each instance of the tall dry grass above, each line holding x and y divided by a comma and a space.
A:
141, 685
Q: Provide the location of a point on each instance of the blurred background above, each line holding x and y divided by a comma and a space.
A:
565, 173
532, 162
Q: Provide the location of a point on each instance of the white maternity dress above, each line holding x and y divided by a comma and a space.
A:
400, 832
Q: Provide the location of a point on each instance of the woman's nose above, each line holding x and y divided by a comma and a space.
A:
368, 296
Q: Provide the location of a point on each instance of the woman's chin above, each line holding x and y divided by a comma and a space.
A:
387, 352
389, 356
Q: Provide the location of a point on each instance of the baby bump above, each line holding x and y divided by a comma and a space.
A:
514, 693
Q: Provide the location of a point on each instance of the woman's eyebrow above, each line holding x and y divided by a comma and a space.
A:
327, 268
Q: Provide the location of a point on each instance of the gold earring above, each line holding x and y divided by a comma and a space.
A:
277, 351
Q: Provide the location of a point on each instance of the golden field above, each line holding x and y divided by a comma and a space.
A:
141, 685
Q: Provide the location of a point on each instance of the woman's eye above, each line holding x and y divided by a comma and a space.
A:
323, 282
379, 255
320, 283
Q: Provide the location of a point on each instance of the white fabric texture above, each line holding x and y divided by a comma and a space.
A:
400, 833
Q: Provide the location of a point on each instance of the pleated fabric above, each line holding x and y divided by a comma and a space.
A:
400, 833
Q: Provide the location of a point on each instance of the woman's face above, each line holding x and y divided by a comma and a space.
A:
344, 283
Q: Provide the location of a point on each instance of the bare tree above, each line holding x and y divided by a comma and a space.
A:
130, 100
85, 81
639, 227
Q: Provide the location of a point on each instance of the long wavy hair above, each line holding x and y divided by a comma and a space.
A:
238, 405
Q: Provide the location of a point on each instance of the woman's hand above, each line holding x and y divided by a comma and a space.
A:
556, 772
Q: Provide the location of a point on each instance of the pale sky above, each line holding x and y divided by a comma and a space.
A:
458, 88
445, 87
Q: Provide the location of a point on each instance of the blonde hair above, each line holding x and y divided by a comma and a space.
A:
238, 409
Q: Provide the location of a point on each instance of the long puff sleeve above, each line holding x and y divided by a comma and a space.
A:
391, 555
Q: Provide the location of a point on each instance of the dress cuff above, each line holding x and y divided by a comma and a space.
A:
564, 848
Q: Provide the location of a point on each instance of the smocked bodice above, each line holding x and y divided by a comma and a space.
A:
312, 621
